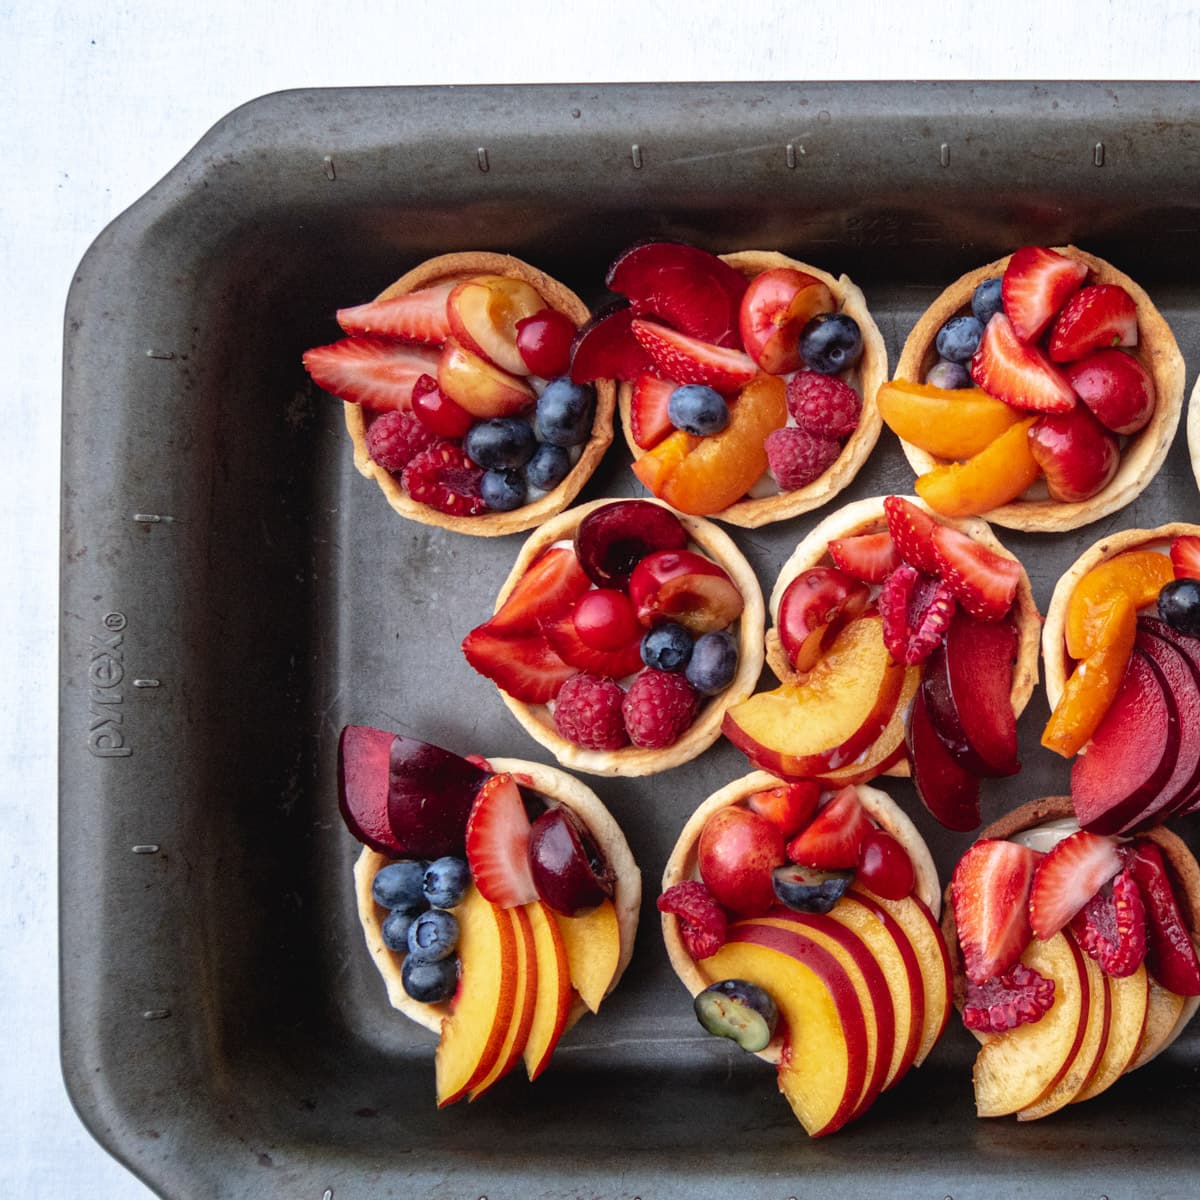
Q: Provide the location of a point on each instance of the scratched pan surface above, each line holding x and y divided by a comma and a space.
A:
233, 593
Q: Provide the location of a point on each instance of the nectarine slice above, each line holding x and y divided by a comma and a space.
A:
888, 748
823, 1064
593, 945
824, 721
554, 991
1162, 1014
482, 1009
945, 423
1128, 1000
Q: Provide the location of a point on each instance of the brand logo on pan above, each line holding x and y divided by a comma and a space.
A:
106, 672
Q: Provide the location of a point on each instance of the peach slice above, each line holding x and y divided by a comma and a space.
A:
822, 1065
1128, 1000
475, 384
953, 424
552, 1004
523, 1004
998, 474
824, 721
1014, 1070
474, 1033
593, 946
483, 313
1163, 1010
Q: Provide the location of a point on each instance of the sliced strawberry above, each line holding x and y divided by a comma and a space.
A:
916, 611
983, 582
834, 838
1017, 373
990, 895
1095, 317
912, 531
648, 419
548, 588
1068, 877
560, 632
871, 557
1111, 927
414, 317
1170, 954
689, 360
605, 348
789, 805
1036, 284
524, 665
375, 372
1185, 556
498, 844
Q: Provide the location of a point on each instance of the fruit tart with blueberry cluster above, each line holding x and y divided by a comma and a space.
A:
1122, 652
904, 644
803, 921
1041, 391
748, 380
499, 899
621, 635
457, 394
1074, 955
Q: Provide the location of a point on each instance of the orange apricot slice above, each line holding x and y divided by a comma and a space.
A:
946, 423
1139, 575
999, 473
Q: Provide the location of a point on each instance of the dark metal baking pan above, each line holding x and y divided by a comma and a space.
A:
233, 592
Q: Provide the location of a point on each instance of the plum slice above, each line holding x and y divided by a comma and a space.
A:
430, 794
605, 348
1189, 798
364, 755
612, 540
946, 788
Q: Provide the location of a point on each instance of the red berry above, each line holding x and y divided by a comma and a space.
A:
544, 342
884, 866
916, 612
823, 404
795, 458
658, 707
437, 411
395, 438
702, 921
790, 805
587, 711
446, 479
834, 838
605, 620
1018, 997
1111, 927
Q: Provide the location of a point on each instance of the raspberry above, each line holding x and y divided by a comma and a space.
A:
1018, 997
823, 404
446, 479
916, 612
658, 707
1111, 927
587, 711
796, 458
702, 922
395, 438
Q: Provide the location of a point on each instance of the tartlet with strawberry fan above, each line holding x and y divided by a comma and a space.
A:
705, 728
865, 378
560, 788
460, 267
1141, 454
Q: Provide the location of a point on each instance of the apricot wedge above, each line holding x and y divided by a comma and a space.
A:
998, 474
953, 424
1138, 575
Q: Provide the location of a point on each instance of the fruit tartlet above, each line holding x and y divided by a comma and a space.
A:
495, 931
458, 398
1074, 955
1122, 652
622, 633
748, 380
1041, 391
804, 923
904, 644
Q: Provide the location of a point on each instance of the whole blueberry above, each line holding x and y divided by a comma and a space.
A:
949, 375
446, 881
433, 935
959, 338
398, 885
1179, 605
986, 301
429, 982
831, 343
395, 926
548, 467
697, 409
713, 663
500, 443
502, 491
564, 412
667, 647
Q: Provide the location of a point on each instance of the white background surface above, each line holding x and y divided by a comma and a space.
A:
101, 99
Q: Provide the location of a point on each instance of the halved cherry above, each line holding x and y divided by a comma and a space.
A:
683, 586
